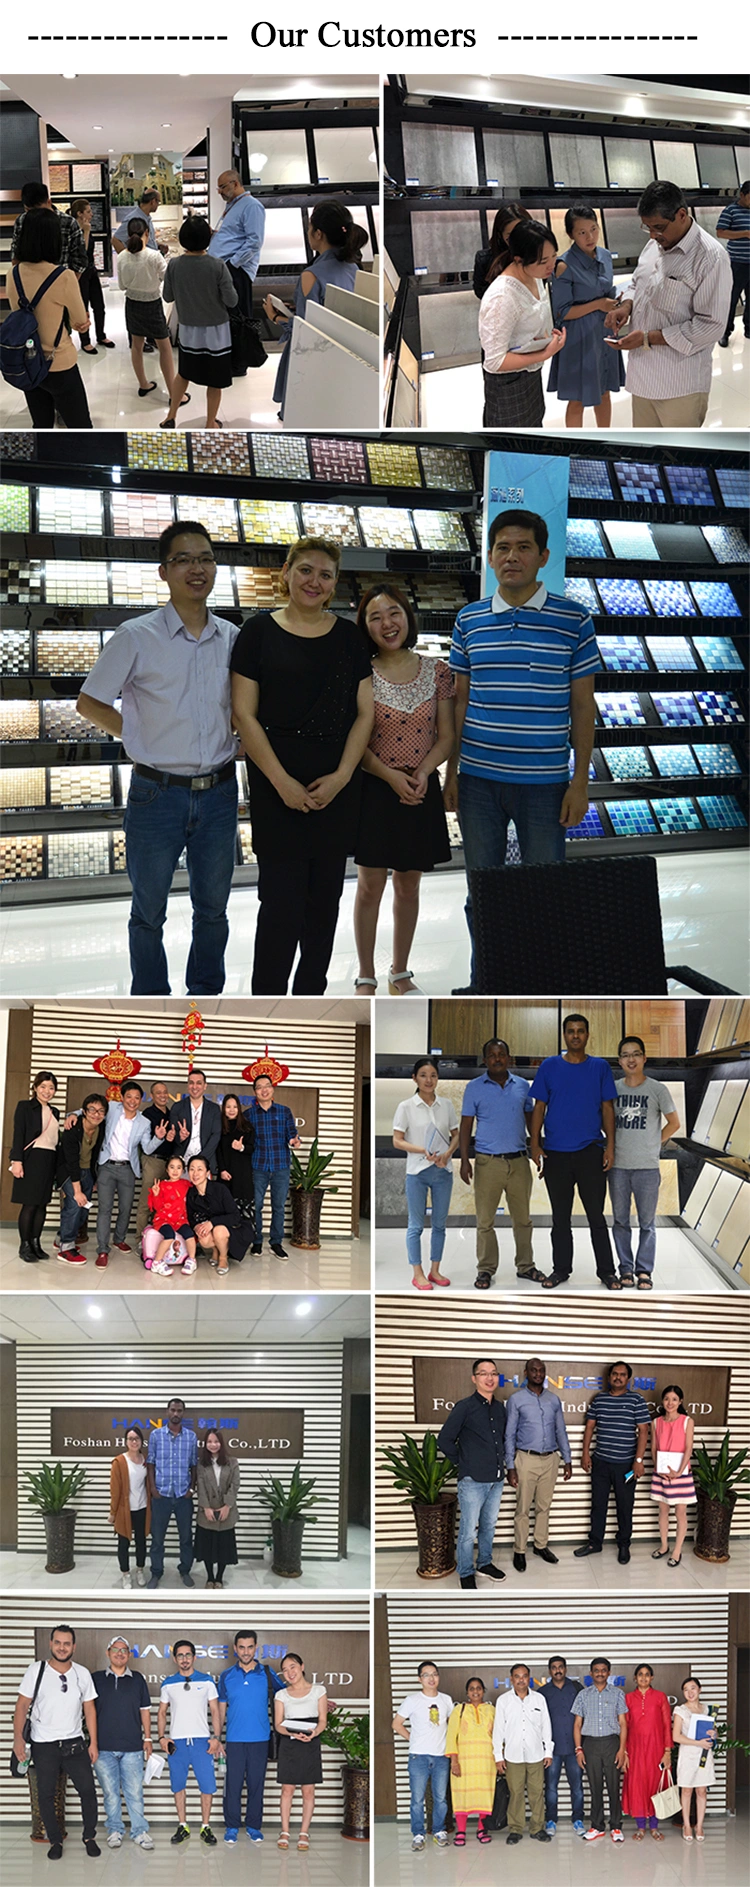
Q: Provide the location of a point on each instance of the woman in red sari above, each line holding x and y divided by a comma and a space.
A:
649, 1751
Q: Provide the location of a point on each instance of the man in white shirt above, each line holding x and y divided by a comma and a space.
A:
422, 1721
188, 1695
679, 301
57, 1740
523, 1745
127, 1131
197, 1121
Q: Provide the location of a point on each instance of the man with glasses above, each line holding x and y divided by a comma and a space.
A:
678, 303
53, 1692
473, 1438
188, 1695
172, 1471
170, 669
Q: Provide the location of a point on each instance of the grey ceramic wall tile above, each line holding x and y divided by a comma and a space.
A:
707, 214
577, 159
515, 158
445, 241
716, 165
742, 159
675, 163
440, 154
448, 325
625, 233
629, 162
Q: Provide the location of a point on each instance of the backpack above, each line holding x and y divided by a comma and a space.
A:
22, 361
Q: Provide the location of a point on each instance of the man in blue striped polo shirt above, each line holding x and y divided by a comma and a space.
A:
621, 1419
524, 663
734, 227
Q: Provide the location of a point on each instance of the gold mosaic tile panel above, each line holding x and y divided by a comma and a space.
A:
68, 509
338, 522
267, 522
158, 452
78, 855
446, 468
440, 530
118, 851
80, 786
280, 458
220, 456
66, 652
386, 527
15, 651
134, 583
76, 583
438, 592
141, 513
22, 857
257, 587
22, 788
62, 721
370, 579
15, 508
246, 843
20, 580
19, 720
219, 515
393, 464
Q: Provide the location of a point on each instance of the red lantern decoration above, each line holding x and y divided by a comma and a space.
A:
116, 1066
266, 1065
192, 1032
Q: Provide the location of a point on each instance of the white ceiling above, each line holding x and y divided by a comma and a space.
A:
137, 1318
634, 98
249, 1008
132, 110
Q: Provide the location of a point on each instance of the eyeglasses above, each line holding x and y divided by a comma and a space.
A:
181, 562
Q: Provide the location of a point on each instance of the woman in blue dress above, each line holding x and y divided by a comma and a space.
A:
337, 243
585, 373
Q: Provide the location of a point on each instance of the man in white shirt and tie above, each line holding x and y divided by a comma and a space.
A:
523, 1745
679, 301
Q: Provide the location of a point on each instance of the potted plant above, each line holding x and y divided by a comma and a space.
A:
351, 1735
307, 1197
51, 1491
289, 1511
717, 1489
423, 1476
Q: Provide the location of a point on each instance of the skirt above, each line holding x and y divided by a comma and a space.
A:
404, 838
38, 1183
299, 1762
147, 318
513, 399
219, 1548
205, 355
678, 1493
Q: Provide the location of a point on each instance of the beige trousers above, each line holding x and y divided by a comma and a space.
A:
687, 409
494, 1176
537, 1476
528, 1777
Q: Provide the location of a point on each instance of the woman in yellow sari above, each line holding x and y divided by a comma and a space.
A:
472, 1758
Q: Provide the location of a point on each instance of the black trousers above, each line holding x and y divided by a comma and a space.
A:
740, 287
299, 906
562, 1173
138, 1518
62, 393
600, 1753
72, 1757
607, 1477
91, 293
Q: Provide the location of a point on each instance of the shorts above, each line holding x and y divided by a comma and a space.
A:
175, 1231
192, 1755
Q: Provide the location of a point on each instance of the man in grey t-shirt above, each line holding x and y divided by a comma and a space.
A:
645, 1119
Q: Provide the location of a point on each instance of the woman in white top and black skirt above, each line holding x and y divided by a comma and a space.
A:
34, 1159
515, 329
140, 273
300, 1716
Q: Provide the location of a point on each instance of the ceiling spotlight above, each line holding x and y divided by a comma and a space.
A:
167, 125
304, 1308
97, 127
94, 1311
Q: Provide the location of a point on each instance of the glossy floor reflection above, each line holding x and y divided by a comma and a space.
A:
21, 1571
329, 1860
340, 1265
680, 1267
395, 1570
719, 1861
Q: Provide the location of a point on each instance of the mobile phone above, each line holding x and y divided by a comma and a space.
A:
629, 1477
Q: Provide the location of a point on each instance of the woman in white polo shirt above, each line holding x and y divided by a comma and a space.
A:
426, 1130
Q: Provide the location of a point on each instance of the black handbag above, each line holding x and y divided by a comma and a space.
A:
273, 1739
499, 1816
247, 346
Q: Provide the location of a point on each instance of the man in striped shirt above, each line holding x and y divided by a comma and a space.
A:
733, 228
524, 663
678, 300
621, 1419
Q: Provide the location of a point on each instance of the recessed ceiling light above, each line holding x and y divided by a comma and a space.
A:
304, 1308
97, 127
94, 1311
167, 124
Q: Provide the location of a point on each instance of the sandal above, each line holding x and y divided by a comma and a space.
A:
551, 1283
662, 1554
611, 1283
483, 1838
656, 1834
303, 1843
685, 1836
459, 1841
645, 1282
402, 976
640, 1834
151, 388
283, 1841
627, 1281
483, 1281
366, 982
534, 1276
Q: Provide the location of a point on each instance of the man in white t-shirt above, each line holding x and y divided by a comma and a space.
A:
645, 1119
422, 1720
188, 1696
57, 1738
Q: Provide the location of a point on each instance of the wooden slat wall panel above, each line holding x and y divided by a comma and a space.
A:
318, 1054
65, 1376
699, 1328
691, 1627
287, 1620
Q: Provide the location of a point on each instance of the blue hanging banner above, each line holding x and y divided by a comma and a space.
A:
528, 481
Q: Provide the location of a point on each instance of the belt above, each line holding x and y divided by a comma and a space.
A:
542, 1452
521, 1155
197, 784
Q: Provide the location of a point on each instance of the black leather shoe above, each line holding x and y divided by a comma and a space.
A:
624, 1556
511, 1840
27, 1253
491, 1572
543, 1552
469, 1584
542, 1836
519, 1561
582, 1552
92, 1847
724, 341
55, 1853
36, 1245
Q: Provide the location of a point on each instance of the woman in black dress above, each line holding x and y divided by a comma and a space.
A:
215, 1217
302, 704
33, 1162
236, 1152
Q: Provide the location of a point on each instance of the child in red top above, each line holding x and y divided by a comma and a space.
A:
166, 1200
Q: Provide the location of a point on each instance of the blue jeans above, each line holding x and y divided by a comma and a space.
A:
438, 1181
120, 1772
575, 1784
485, 809
424, 1769
480, 1506
279, 1184
643, 1183
72, 1219
161, 1513
160, 821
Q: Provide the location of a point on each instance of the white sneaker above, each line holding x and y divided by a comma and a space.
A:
127, 1583
162, 1269
189, 1267
143, 1841
617, 1834
418, 1843
114, 1841
140, 1575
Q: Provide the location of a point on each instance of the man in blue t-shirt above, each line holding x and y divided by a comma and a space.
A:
734, 227
245, 1693
574, 1094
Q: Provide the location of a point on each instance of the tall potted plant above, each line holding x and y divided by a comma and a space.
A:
51, 1491
307, 1197
351, 1735
289, 1511
424, 1475
718, 1487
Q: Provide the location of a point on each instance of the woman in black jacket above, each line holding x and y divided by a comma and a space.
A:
33, 1162
235, 1155
215, 1217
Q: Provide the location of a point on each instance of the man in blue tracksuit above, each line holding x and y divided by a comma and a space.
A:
246, 1691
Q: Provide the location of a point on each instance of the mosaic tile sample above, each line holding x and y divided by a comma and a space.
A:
221, 457
138, 583
445, 242
620, 710
19, 720
438, 592
337, 522
86, 177
715, 599
280, 458
22, 857
439, 154
78, 854
339, 461
669, 598
15, 651
728, 544
672, 762
583, 538
76, 583
631, 540
259, 588
119, 862
140, 513
80, 786
393, 464
17, 445
622, 596
678, 710
589, 478
716, 758
719, 710
440, 530
63, 652
681, 543
689, 484
515, 160
20, 580
626, 763
722, 812
62, 721
446, 468
677, 162
581, 590
676, 815
629, 162
622, 654
222, 594
734, 485
15, 508
265, 521
577, 159
590, 827
21, 788
59, 179
158, 452
639, 484
386, 527
247, 855
73, 511
670, 654
219, 515
718, 652
631, 818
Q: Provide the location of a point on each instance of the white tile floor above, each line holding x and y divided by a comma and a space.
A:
95, 1573
329, 1860
679, 1266
720, 1861
340, 1265
81, 949
396, 1571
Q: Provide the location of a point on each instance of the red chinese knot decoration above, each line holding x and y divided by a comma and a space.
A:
192, 1031
266, 1065
116, 1066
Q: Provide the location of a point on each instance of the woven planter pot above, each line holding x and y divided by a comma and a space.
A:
712, 1530
287, 1548
306, 1210
356, 1804
59, 1532
436, 1536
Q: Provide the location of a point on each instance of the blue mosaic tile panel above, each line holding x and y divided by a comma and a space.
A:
722, 812
627, 763
583, 538
639, 483
622, 596
631, 818
631, 540
728, 543
734, 485
718, 652
670, 654
715, 599
689, 484
620, 710
677, 710
622, 654
590, 827
581, 590
719, 710
572, 767
671, 762
676, 815
716, 758
589, 478
669, 598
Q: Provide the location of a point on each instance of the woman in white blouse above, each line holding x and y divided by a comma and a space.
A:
300, 1717
140, 273
130, 1504
516, 332
425, 1128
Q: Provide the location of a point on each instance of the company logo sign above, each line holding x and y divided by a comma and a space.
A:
441, 1381
338, 1659
247, 1433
